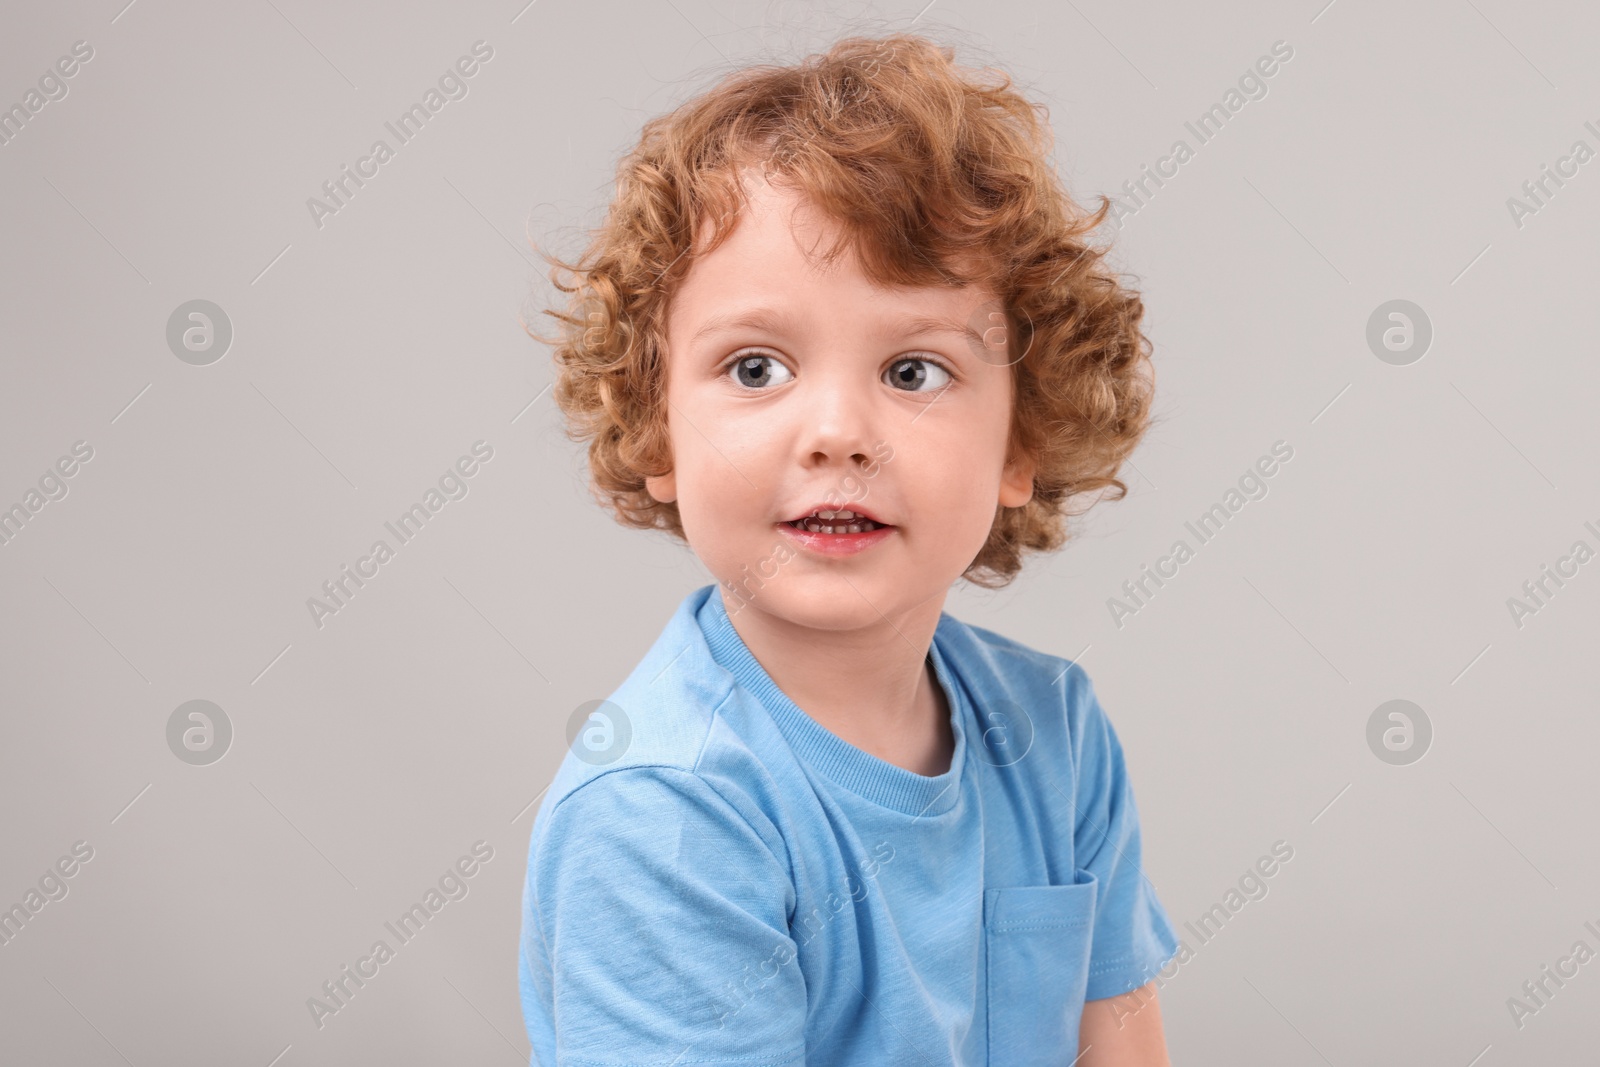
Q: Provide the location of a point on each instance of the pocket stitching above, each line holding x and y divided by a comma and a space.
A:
1040, 924
1082, 900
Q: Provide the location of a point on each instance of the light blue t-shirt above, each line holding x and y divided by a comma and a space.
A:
718, 880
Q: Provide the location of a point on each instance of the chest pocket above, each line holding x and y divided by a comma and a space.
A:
1036, 945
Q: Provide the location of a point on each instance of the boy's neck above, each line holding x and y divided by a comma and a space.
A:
873, 688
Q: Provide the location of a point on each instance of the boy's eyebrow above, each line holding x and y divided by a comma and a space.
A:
917, 327
769, 319
774, 321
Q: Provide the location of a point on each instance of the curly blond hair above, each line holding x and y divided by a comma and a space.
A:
922, 164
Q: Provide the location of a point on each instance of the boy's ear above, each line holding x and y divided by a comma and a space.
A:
1016, 480
663, 488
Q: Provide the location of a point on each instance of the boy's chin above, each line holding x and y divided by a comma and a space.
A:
826, 603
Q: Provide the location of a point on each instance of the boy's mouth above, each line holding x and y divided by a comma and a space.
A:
836, 521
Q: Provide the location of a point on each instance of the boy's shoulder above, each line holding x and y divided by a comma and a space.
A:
663, 723
995, 646
1010, 675
1006, 658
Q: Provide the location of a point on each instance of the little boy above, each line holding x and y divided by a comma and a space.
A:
842, 334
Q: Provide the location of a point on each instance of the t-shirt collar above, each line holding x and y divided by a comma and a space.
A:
859, 771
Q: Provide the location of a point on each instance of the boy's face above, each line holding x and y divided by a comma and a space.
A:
855, 405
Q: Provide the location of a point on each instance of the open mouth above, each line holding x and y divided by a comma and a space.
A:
840, 521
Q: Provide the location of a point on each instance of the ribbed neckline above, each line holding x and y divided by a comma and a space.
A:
860, 772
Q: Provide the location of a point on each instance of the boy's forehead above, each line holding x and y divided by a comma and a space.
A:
780, 238
769, 217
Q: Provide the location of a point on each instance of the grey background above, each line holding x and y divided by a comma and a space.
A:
368, 354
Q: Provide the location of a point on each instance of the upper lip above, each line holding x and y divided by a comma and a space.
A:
825, 506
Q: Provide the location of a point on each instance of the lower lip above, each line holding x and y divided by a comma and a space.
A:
845, 544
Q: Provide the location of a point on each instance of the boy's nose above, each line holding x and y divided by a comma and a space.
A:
836, 425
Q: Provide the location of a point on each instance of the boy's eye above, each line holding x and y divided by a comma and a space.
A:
913, 375
758, 371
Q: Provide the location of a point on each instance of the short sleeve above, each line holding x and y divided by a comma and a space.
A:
664, 921
1133, 937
